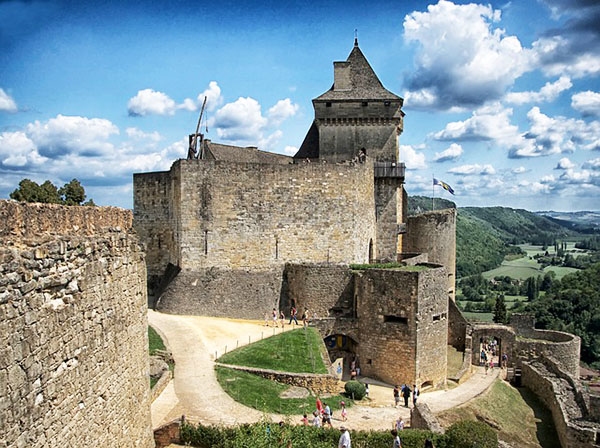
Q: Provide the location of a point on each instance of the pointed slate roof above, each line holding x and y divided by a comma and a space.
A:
365, 83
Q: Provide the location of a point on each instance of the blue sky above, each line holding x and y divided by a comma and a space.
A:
502, 99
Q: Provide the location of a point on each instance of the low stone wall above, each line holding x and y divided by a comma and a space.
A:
560, 397
20, 219
235, 293
161, 384
563, 347
315, 382
421, 417
413, 258
464, 373
168, 433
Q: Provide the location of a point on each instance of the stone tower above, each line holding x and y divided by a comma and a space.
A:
358, 116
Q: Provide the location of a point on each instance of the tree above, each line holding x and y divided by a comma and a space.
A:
28, 191
500, 310
547, 281
73, 193
49, 193
531, 289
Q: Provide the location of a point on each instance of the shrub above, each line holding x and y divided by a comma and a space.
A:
469, 434
355, 390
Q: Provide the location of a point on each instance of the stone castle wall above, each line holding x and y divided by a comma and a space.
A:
73, 337
434, 233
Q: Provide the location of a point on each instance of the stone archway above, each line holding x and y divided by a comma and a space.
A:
341, 346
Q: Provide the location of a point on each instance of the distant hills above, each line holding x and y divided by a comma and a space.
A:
484, 235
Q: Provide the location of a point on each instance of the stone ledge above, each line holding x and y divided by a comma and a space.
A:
318, 383
421, 417
160, 385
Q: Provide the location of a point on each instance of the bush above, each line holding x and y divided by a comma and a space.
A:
469, 434
355, 390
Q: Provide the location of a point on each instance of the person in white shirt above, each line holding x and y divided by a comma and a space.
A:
316, 420
344, 439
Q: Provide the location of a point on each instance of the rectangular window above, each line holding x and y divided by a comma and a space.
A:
437, 317
328, 104
365, 104
395, 319
387, 103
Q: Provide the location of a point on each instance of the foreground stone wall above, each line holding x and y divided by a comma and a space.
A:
73, 329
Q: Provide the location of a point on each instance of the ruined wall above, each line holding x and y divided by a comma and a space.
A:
154, 221
388, 210
563, 347
326, 290
432, 327
560, 397
73, 329
457, 327
434, 233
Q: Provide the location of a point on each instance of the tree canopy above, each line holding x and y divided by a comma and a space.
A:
72, 193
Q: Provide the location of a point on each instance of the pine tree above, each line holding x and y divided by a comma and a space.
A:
500, 310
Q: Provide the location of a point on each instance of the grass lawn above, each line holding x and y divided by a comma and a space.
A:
293, 351
262, 394
560, 271
520, 418
482, 317
155, 342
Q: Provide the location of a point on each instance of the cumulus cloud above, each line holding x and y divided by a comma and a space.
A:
592, 164
138, 134
587, 103
151, 102
413, 159
474, 169
213, 96
564, 164
290, 150
7, 104
463, 60
519, 170
18, 150
241, 122
282, 110
453, 152
548, 93
72, 134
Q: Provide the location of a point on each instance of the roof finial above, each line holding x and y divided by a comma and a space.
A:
355, 37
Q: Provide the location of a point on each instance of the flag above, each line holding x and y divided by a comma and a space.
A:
444, 185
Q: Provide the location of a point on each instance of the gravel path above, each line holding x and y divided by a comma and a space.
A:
195, 392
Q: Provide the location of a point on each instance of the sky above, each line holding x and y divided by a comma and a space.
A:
502, 99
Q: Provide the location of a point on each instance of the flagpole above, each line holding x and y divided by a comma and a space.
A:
432, 192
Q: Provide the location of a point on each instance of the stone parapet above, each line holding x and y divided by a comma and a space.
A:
31, 220
315, 382
421, 417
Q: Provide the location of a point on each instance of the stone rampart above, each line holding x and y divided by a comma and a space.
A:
434, 233
222, 292
315, 382
560, 397
23, 220
73, 329
563, 347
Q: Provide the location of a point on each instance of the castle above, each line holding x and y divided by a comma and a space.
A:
239, 231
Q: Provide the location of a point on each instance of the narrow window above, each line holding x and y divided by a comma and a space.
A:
327, 104
365, 104
276, 249
206, 242
437, 317
396, 319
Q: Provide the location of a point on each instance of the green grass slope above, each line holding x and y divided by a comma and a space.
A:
296, 351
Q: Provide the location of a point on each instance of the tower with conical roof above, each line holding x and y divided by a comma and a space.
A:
358, 117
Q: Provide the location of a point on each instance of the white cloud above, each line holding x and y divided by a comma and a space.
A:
562, 55
453, 152
282, 110
564, 164
468, 170
213, 96
519, 170
549, 92
187, 104
17, 150
72, 134
151, 102
138, 134
588, 103
413, 160
268, 143
290, 150
462, 61
7, 104
592, 164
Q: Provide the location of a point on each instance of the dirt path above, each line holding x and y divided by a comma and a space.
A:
195, 392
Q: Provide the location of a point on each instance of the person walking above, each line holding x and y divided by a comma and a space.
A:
396, 396
344, 411
399, 424
327, 416
282, 318
304, 420
305, 318
344, 439
406, 394
397, 442
316, 420
293, 315
415, 394
319, 406
367, 390
274, 316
